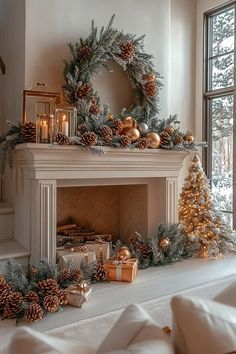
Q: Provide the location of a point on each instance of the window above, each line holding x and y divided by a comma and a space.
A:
219, 107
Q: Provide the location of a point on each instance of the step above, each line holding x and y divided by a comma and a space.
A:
6, 221
12, 249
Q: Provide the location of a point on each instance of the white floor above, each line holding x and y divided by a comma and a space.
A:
151, 284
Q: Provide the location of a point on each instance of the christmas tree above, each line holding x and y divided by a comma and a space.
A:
198, 215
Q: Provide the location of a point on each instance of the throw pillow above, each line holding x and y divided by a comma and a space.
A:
203, 326
136, 332
28, 341
228, 295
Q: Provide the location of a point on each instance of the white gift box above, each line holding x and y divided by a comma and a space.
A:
76, 255
101, 249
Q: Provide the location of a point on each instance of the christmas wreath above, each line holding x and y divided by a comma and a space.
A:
136, 126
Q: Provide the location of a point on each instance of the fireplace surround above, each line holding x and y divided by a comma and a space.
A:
41, 172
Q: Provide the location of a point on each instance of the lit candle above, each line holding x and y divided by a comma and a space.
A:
65, 126
44, 130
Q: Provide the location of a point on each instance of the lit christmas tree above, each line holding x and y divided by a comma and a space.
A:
199, 216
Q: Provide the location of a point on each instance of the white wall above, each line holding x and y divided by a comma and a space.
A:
12, 49
47, 33
202, 7
182, 61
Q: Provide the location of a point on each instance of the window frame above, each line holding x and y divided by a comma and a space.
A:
217, 93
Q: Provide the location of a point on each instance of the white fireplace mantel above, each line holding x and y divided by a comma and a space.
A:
40, 168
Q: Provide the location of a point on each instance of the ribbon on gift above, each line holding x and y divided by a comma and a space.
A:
118, 265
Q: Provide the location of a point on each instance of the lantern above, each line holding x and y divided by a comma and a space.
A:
37, 101
65, 118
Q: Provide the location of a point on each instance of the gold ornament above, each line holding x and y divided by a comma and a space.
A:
82, 285
128, 122
110, 117
149, 77
164, 243
189, 138
166, 329
123, 253
132, 133
154, 140
170, 130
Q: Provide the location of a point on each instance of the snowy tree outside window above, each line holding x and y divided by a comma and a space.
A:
220, 107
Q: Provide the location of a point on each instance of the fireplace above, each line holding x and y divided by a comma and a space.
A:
117, 192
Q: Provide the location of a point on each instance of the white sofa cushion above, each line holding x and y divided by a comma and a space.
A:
203, 326
136, 332
228, 295
28, 341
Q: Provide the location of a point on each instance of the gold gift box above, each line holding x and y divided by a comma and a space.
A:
78, 296
121, 270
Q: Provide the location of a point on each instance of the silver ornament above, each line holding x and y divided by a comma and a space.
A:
143, 128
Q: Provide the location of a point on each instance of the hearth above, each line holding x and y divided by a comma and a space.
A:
116, 192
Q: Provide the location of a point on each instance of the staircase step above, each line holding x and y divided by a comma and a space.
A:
6, 209
6, 221
12, 249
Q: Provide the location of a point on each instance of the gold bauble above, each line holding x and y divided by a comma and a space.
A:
128, 122
189, 138
166, 329
164, 243
154, 140
123, 253
132, 133
82, 285
110, 117
170, 130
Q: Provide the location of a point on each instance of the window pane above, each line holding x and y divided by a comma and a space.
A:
221, 113
222, 32
221, 71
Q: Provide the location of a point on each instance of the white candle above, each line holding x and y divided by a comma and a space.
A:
44, 130
65, 126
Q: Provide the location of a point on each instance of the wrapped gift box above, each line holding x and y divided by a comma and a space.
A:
78, 296
121, 270
76, 255
101, 249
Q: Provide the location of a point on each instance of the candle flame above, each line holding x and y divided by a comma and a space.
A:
64, 118
44, 122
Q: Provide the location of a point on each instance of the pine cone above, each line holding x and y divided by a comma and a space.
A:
94, 109
100, 272
169, 129
144, 250
63, 297
83, 90
2, 280
89, 139
77, 275
133, 239
178, 139
125, 141
48, 286
51, 303
82, 128
28, 132
33, 271
84, 52
13, 306
61, 139
165, 139
32, 296
65, 274
149, 77
117, 126
150, 88
34, 313
143, 143
5, 292
106, 133
127, 50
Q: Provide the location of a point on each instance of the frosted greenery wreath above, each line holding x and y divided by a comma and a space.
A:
97, 51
